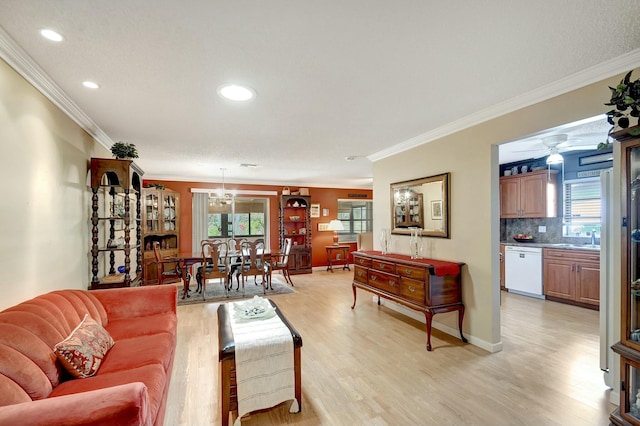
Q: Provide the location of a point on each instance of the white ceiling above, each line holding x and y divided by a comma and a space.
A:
333, 78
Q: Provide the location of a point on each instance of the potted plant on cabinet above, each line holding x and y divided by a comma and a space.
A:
123, 150
624, 117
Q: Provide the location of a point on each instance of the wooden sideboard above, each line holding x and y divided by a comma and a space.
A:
426, 285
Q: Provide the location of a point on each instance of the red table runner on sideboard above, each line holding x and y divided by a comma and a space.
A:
440, 267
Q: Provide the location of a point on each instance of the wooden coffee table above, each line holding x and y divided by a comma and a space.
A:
227, 363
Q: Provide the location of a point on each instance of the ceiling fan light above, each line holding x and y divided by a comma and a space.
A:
555, 158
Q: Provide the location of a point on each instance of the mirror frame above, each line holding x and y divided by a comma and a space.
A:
408, 184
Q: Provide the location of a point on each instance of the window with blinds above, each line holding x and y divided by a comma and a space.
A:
582, 207
241, 217
356, 217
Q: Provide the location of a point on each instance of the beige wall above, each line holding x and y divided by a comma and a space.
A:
471, 157
44, 212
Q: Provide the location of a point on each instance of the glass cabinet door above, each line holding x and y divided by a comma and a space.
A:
169, 207
633, 238
152, 212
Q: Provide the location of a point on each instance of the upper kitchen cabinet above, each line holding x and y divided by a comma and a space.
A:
533, 194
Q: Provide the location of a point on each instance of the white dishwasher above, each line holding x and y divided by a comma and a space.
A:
523, 270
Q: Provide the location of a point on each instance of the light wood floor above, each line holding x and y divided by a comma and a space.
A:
369, 366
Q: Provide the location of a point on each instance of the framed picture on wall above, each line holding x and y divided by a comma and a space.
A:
436, 209
315, 210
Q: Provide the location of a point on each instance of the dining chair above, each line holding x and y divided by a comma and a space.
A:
235, 262
168, 269
280, 262
253, 262
214, 266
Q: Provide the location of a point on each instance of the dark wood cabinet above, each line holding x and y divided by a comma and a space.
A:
529, 195
425, 285
116, 254
160, 223
295, 223
409, 210
572, 275
628, 412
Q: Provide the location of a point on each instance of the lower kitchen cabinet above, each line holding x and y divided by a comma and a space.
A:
572, 276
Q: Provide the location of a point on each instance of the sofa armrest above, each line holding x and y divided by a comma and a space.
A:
126, 404
122, 303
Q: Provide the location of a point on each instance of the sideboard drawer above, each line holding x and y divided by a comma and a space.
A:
385, 282
362, 261
383, 266
412, 290
360, 274
411, 272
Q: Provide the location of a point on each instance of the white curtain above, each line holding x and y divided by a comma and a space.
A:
200, 219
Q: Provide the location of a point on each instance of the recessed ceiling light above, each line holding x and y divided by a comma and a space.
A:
350, 158
90, 85
236, 93
51, 35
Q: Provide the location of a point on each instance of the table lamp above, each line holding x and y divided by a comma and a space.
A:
335, 225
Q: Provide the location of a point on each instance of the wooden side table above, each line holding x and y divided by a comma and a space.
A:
341, 250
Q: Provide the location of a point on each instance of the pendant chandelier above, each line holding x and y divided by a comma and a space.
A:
222, 197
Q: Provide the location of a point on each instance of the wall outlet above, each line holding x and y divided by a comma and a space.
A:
542, 229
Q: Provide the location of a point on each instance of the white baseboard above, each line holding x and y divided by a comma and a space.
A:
419, 316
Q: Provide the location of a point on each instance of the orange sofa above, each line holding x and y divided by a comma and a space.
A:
131, 385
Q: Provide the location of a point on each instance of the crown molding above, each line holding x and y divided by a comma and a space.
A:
591, 75
24, 65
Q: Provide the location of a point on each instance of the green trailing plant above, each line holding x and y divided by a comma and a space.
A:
123, 150
625, 115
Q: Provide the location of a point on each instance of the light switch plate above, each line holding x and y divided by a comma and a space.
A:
542, 228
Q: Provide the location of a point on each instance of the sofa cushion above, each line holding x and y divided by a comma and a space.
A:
33, 348
153, 376
83, 351
139, 351
142, 326
11, 392
21, 370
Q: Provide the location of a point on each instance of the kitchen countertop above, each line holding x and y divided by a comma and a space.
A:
564, 246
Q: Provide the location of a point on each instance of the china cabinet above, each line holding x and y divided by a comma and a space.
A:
628, 347
529, 195
116, 255
295, 223
161, 223
408, 210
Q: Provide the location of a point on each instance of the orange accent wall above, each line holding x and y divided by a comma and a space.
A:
326, 197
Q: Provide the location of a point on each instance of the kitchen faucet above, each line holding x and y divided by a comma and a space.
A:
593, 238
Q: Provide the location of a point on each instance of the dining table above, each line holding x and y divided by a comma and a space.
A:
185, 259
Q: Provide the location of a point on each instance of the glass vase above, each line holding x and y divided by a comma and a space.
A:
385, 240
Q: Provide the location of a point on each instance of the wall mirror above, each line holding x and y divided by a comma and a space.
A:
421, 203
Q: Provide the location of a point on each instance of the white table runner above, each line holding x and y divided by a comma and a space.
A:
264, 360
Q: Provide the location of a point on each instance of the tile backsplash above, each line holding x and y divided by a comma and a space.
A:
512, 227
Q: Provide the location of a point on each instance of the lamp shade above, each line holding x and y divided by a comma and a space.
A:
335, 225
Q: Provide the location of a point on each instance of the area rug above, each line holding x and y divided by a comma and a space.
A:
215, 292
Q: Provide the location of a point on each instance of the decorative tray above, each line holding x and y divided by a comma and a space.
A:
256, 308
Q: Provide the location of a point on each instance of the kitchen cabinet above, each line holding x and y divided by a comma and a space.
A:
529, 195
572, 276
628, 347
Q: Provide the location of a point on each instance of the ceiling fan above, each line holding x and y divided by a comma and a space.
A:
553, 145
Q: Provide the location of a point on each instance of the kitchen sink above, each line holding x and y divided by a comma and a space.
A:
577, 246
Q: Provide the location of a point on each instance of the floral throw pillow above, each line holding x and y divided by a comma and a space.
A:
83, 351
